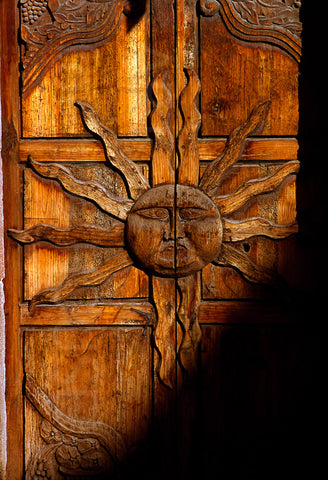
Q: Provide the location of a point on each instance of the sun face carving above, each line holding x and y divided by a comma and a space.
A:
170, 230
174, 231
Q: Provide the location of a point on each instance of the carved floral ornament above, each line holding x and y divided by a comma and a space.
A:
73, 448
49, 27
268, 21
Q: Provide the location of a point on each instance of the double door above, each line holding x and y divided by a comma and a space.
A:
150, 178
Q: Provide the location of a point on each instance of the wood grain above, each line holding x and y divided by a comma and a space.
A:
115, 86
186, 48
89, 358
277, 24
163, 60
106, 435
255, 149
137, 184
11, 457
61, 27
163, 156
49, 204
81, 150
230, 257
237, 75
132, 44
189, 289
100, 371
162, 54
164, 296
226, 283
235, 231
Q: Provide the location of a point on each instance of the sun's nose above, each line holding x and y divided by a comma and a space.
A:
180, 231
169, 230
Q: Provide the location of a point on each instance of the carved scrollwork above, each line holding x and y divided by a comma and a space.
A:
67, 455
271, 21
49, 27
74, 448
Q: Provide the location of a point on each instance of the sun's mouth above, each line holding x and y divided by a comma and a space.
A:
177, 258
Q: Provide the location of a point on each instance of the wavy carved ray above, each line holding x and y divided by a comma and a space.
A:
214, 173
233, 201
110, 237
92, 191
93, 278
137, 183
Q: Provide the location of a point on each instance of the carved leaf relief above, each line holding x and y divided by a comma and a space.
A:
49, 27
271, 21
74, 448
271, 13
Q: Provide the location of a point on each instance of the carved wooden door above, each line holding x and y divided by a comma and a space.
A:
150, 164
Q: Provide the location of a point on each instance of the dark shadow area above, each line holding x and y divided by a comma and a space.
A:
256, 411
312, 178
255, 414
260, 408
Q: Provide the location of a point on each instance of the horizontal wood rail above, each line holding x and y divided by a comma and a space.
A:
140, 150
245, 312
90, 314
129, 313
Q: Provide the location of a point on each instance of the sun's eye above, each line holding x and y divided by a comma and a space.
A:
156, 213
192, 213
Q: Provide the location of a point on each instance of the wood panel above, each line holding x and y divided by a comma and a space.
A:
255, 149
163, 42
13, 282
163, 46
50, 206
115, 84
107, 373
140, 150
237, 75
115, 313
82, 150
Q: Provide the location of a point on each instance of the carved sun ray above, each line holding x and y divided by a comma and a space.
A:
156, 204
69, 236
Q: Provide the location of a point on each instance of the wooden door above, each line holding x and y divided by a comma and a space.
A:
150, 191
